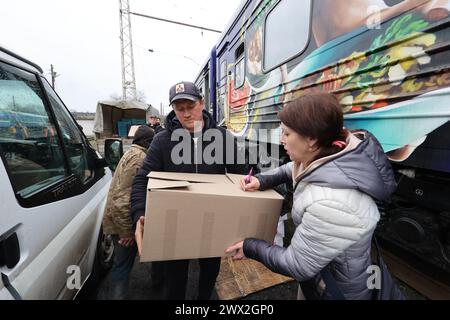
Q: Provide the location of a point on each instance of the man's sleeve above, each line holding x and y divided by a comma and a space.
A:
153, 162
121, 201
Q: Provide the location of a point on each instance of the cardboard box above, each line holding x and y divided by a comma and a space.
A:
200, 215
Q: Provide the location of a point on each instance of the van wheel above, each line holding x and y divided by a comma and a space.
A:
105, 253
104, 257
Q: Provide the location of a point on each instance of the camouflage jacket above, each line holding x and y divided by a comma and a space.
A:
116, 219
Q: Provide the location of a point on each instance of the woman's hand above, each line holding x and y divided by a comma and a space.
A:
250, 187
236, 251
139, 234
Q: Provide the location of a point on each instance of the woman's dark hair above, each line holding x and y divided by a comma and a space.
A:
317, 116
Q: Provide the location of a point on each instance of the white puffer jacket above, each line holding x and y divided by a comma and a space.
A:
335, 214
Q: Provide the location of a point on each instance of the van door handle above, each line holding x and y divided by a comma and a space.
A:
9, 250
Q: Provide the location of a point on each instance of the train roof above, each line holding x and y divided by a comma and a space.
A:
203, 66
235, 18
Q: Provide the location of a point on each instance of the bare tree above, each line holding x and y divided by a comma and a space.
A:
140, 96
115, 96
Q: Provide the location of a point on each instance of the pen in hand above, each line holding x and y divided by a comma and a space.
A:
249, 182
248, 178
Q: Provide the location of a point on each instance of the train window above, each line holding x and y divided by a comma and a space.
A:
223, 69
29, 142
204, 89
286, 32
239, 72
71, 136
201, 86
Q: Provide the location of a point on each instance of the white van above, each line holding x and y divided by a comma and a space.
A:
53, 189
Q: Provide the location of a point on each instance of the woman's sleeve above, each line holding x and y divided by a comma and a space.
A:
328, 228
275, 177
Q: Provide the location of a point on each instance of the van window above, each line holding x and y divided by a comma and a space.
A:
71, 136
239, 75
29, 141
286, 32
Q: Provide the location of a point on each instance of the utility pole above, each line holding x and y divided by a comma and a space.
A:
128, 75
53, 75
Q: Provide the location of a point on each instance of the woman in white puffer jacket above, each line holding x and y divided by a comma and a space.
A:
336, 176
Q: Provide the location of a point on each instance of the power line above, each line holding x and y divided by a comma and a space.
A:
175, 22
157, 51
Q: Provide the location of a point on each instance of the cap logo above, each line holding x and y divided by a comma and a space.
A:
179, 88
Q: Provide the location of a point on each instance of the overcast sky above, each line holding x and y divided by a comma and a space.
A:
81, 39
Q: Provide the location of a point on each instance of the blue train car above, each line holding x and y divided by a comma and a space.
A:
388, 61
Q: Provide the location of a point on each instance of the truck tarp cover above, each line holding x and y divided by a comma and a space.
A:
109, 112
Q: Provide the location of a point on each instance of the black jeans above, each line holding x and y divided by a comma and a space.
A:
176, 275
120, 272
157, 274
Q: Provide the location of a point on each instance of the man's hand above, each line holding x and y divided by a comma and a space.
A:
126, 241
236, 251
139, 234
250, 187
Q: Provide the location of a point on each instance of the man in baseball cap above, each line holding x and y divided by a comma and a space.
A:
188, 106
184, 91
188, 109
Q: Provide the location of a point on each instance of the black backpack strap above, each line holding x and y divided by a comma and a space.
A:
332, 288
377, 247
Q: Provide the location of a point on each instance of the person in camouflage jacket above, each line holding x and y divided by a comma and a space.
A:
116, 220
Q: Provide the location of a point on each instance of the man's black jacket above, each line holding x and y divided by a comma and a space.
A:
158, 128
159, 159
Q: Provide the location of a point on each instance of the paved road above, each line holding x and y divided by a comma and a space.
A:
141, 287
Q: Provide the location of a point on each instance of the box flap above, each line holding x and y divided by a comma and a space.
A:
191, 177
223, 191
166, 184
235, 178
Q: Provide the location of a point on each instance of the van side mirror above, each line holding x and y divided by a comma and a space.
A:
113, 152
